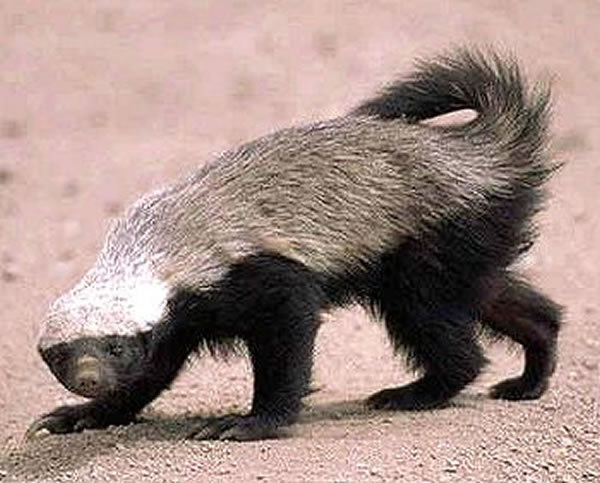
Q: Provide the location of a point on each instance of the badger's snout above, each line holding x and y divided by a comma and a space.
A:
87, 376
79, 366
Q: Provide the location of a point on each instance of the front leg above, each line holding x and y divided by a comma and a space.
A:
117, 408
95, 414
278, 303
281, 366
137, 376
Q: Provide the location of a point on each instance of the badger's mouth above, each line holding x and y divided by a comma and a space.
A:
95, 367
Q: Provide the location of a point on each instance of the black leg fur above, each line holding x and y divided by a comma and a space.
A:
272, 303
530, 318
441, 343
429, 303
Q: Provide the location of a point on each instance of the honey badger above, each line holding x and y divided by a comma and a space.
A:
419, 223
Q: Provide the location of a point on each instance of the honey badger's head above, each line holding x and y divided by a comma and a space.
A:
100, 334
126, 320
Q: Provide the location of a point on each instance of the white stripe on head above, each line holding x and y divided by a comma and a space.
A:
100, 306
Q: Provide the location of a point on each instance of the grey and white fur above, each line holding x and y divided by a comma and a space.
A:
420, 223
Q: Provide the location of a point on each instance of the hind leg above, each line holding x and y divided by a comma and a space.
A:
442, 344
530, 318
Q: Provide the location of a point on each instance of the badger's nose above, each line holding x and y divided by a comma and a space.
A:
86, 377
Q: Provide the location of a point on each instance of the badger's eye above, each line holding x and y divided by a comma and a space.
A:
114, 349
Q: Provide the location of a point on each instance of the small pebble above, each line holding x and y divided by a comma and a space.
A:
8, 276
6, 176
12, 129
375, 472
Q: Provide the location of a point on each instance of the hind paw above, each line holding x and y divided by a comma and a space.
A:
412, 397
517, 388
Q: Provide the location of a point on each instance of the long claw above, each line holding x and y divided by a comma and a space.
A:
48, 424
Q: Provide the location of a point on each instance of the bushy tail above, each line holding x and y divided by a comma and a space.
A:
512, 118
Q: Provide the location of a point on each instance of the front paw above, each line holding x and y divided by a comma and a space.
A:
235, 428
72, 419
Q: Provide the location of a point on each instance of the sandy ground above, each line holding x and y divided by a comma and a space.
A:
101, 103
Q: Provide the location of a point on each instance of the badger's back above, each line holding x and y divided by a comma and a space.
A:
333, 195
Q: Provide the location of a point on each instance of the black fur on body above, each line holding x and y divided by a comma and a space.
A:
421, 224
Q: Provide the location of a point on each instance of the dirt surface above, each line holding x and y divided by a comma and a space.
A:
101, 103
